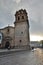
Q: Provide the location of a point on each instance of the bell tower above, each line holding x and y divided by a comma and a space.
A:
21, 16
22, 38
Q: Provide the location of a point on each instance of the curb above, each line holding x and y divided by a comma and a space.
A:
12, 51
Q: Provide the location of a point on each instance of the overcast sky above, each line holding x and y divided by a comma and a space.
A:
34, 9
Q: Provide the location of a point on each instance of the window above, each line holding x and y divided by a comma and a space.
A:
18, 18
20, 41
21, 32
22, 17
8, 29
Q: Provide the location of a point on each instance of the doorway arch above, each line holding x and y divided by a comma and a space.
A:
7, 44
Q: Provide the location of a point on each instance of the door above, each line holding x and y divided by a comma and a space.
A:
7, 44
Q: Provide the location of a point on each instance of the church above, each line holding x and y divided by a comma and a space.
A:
17, 36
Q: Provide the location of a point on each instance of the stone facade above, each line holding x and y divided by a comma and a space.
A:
17, 36
8, 36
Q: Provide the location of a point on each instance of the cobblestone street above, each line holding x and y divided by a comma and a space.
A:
23, 58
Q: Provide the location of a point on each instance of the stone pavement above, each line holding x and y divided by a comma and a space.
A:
23, 58
6, 51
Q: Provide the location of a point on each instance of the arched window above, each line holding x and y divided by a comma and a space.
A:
18, 18
21, 32
20, 41
22, 17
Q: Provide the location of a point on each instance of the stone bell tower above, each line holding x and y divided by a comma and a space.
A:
22, 38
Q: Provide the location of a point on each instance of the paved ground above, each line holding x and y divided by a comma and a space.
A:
6, 50
23, 58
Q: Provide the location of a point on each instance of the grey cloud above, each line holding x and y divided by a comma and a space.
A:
17, 1
36, 27
33, 7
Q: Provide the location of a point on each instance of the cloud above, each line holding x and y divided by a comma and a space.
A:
17, 1
33, 7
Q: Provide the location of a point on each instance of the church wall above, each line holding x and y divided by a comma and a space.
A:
6, 34
21, 34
